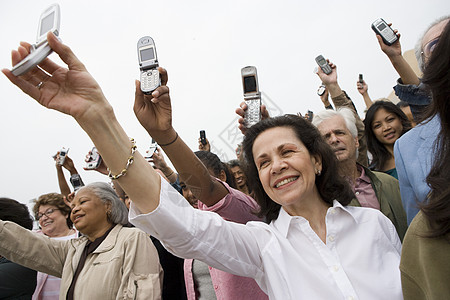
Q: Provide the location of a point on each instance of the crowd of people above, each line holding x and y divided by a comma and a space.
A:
328, 207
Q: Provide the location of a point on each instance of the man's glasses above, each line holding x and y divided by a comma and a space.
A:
47, 213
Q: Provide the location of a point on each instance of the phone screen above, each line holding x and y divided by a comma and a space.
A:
381, 27
147, 54
47, 23
249, 84
322, 62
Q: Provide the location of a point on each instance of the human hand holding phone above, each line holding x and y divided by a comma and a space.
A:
240, 111
154, 111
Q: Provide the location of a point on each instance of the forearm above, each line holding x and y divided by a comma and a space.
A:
170, 174
334, 89
141, 182
367, 100
32, 250
192, 171
404, 70
63, 186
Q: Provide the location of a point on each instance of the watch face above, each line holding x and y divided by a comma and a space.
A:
321, 90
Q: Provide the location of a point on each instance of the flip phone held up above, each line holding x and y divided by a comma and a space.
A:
49, 21
252, 96
148, 64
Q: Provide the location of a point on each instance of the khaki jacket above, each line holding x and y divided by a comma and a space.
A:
124, 266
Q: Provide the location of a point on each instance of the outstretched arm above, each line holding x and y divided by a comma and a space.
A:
154, 112
75, 92
394, 53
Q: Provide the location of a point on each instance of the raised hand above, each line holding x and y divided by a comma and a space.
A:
69, 90
154, 111
240, 111
393, 50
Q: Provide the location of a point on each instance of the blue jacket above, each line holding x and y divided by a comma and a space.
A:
414, 154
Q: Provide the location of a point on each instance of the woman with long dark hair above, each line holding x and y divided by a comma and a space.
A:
425, 262
384, 124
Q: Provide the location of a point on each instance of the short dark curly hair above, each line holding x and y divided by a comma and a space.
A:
330, 185
56, 200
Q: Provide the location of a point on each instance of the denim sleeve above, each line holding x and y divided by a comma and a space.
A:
416, 96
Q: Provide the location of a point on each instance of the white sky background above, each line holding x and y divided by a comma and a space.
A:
203, 45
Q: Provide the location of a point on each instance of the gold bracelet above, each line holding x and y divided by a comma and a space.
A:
176, 137
129, 162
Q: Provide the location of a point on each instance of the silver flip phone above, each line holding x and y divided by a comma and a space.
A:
49, 21
385, 31
252, 96
323, 64
148, 63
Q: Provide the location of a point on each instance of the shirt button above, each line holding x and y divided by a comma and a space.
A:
332, 211
336, 268
216, 287
331, 238
209, 267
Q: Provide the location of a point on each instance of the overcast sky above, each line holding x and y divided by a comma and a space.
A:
203, 45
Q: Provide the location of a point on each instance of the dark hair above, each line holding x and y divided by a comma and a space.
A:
11, 210
56, 200
213, 162
401, 104
235, 163
379, 152
437, 209
329, 184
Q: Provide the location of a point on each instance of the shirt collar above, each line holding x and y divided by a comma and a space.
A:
363, 176
283, 222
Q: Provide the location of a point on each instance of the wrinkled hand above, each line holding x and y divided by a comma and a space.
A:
241, 112
362, 87
154, 111
393, 50
206, 147
330, 78
71, 91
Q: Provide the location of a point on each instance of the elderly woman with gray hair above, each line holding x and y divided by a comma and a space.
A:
109, 261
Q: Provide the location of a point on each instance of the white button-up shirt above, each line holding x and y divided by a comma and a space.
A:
360, 259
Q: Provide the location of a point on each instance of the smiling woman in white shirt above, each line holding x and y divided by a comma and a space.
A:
314, 247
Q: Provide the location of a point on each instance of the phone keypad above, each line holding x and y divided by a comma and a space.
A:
150, 80
253, 112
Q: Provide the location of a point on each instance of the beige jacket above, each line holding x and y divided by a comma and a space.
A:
124, 266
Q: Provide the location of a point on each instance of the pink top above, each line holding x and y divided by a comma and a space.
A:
364, 191
236, 207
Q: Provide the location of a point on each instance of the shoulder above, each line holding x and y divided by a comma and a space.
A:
385, 178
366, 215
